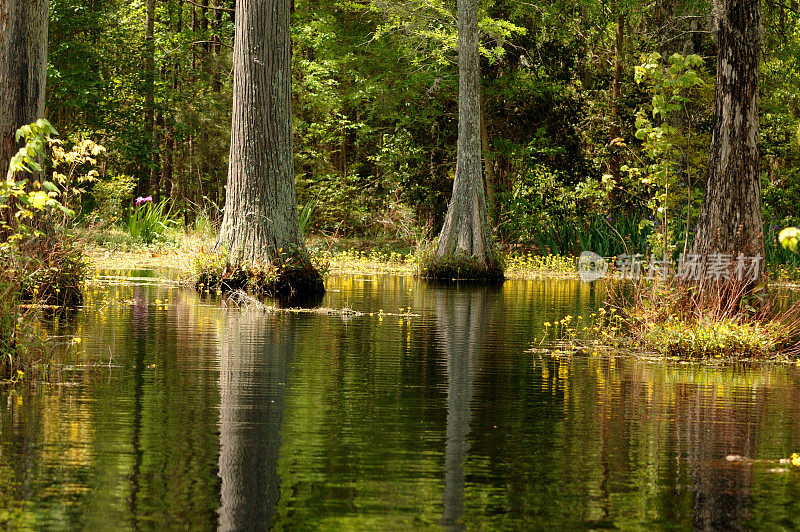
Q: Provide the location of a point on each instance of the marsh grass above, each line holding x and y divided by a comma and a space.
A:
714, 320
151, 222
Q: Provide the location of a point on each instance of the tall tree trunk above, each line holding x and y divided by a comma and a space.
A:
260, 217
616, 92
147, 173
466, 228
23, 70
730, 219
216, 76
492, 199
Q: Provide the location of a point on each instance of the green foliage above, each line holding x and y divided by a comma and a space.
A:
789, 237
110, 194
209, 269
52, 271
31, 196
713, 338
375, 115
75, 168
41, 262
9, 313
674, 88
726, 319
150, 222
305, 215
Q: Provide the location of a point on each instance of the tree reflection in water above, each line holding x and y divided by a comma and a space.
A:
254, 367
461, 319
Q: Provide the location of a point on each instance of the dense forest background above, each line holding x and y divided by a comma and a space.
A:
591, 125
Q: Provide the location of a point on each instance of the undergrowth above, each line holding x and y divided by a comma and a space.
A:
291, 274
715, 320
458, 267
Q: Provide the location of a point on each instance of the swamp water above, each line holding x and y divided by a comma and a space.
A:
440, 410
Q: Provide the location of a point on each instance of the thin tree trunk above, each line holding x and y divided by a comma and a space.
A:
216, 77
23, 70
466, 229
492, 200
204, 26
147, 175
260, 218
616, 92
730, 219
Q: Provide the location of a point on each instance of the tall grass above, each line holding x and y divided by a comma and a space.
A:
150, 221
605, 235
305, 215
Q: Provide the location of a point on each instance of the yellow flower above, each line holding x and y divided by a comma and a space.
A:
76, 340
547, 324
789, 238
795, 460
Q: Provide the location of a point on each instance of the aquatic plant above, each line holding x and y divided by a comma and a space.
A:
723, 319
149, 221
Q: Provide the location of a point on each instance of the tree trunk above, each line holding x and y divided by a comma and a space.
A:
616, 92
23, 70
260, 217
147, 169
492, 198
730, 219
466, 228
216, 76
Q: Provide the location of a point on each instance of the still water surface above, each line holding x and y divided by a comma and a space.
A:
448, 415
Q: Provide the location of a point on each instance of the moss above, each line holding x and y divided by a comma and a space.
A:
459, 267
292, 275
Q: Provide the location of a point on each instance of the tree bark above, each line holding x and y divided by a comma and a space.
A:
492, 199
466, 228
260, 217
730, 219
23, 70
616, 92
147, 169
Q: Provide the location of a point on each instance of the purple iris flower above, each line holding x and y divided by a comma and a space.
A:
141, 200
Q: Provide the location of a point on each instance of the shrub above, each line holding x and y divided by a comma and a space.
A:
41, 264
110, 195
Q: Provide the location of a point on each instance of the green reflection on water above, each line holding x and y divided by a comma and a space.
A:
187, 414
